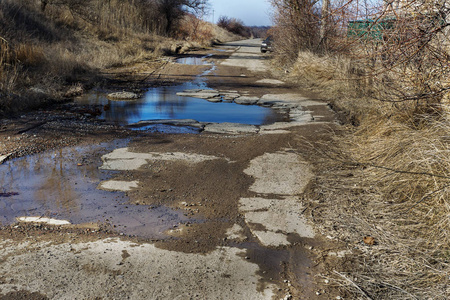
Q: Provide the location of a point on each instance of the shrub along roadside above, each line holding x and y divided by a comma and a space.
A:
386, 174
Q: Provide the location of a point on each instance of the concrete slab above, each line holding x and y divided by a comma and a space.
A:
241, 59
215, 99
112, 268
203, 94
269, 102
123, 96
236, 233
117, 185
265, 131
178, 122
230, 128
271, 81
279, 173
3, 158
230, 96
278, 217
246, 100
123, 159
271, 239
44, 220
291, 98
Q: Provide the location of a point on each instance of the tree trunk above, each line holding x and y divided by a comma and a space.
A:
324, 23
43, 5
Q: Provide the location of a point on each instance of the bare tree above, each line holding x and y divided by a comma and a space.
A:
324, 21
297, 26
403, 44
174, 10
233, 25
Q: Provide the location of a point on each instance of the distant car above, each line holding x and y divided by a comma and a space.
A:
266, 45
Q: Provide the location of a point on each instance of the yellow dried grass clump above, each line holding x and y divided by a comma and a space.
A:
409, 166
390, 181
8, 71
404, 179
387, 178
29, 54
333, 75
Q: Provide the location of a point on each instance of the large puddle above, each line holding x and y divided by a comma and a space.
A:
163, 103
193, 60
62, 184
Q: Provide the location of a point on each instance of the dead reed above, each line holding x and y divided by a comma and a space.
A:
386, 174
392, 183
388, 177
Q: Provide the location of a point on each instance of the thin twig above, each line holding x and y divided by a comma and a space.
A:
428, 195
360, 164
399, 289
1, 38
354, 284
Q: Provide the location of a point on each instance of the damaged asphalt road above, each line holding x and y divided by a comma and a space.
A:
243, 233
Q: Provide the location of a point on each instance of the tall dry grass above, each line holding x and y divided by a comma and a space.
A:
204, 33
391, 182
8, 74
387, 172
386, 175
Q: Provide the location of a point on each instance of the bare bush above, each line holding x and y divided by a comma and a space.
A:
385, 68
8, 71
234, 25
296, 27
194, 29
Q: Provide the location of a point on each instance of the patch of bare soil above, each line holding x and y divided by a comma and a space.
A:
20, 295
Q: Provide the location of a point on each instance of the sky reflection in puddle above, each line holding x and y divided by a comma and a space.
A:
163, 103
52, 184
193, 61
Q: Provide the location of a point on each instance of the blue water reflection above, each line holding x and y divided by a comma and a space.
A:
163, 103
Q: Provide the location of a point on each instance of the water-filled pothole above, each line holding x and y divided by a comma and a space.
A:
62, 184
162, 103
192, 60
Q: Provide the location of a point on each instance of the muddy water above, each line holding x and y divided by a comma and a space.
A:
62, 184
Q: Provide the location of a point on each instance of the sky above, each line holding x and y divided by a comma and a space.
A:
251, 12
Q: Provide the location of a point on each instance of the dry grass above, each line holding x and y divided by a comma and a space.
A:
387, 173
203, 33
392, 183
335, 74
389, 178
8, 74
222, 36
